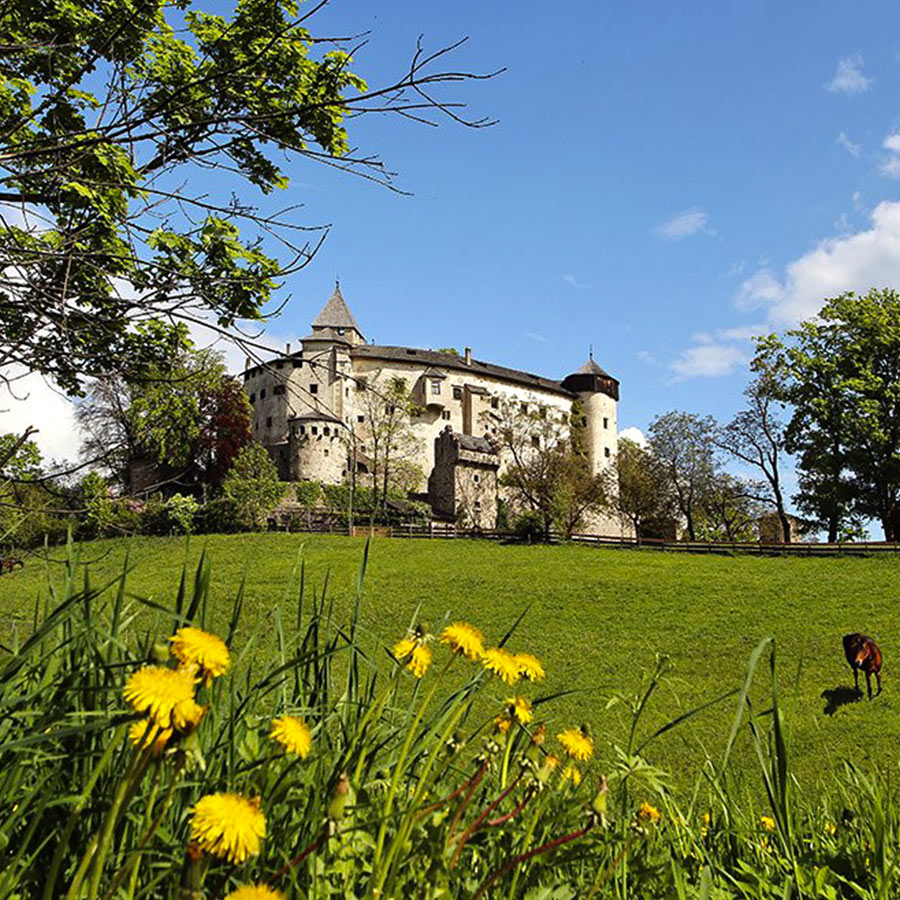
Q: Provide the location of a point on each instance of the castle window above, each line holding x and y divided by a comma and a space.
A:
346, 392
298, 363
314, 430
389, 409
278, 389
495, 402
326, 430
445, 413
340, 331
535, 440
523, 407
606, 451
584, 421
475, 478
253, 398
477, 505
543, 412
605, 422
279, 364
457, 392
435, 386
314, 389
268, 421
360, 418
262, 393
256, 426
326, 451
302, 429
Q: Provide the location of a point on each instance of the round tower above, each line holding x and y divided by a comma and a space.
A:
598, 394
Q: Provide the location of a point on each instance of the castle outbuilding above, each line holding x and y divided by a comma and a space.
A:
321, 412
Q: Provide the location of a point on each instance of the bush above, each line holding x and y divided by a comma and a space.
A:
252, 485
308, 493
529, 527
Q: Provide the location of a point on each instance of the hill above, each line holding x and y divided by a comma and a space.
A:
596, 618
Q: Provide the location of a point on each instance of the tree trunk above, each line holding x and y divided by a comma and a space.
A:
785, 525
833, 528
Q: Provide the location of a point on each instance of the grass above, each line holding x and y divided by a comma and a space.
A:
597, 618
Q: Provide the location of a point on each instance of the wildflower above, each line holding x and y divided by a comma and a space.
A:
767, 822
416, 655
647, 813
293, 734
520, 709
201, 652
464, 639
571, 773
186, 715
157, 691
705, 819
547, 767
830, 829
146, 733
254, 892
503, 664
228, 825
530, 667
577, 743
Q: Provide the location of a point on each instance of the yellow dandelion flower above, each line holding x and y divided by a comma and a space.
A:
146, 733
830, 829
414, 653
157, 690
502, 663
186, 715
577, 743
571, 773
530, 667
255, 892
293, 734
464, 639
502, 722
203, 652
520, 709
705, 819
767, 822
648, 813
228, 825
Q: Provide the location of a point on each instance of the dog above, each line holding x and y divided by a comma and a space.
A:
863, 654
8, 563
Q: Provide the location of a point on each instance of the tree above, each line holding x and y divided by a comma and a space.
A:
730, 509
756, 437
252, 485
187, 416
388, 435
841, 374
545, 466
644, 496
682, 444
108, 112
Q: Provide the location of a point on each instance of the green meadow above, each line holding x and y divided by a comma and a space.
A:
597, 619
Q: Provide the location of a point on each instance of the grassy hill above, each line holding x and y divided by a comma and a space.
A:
597, 618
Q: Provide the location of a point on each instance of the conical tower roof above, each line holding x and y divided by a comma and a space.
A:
591, 368
335, 313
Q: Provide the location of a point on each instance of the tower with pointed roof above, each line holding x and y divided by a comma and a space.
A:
598, 395
336, 321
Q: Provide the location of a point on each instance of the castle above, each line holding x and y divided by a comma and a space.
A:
321, 410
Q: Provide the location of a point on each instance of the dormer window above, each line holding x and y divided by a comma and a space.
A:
435, 386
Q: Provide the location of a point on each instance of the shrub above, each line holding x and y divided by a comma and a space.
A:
252, 485
308, 493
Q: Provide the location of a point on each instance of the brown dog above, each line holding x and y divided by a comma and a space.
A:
8, 563
863, 653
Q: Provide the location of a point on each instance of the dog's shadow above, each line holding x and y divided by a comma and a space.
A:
840, 696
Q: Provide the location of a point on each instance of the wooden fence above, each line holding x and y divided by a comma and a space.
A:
443, 531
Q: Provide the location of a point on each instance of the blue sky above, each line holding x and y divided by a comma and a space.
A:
665, 180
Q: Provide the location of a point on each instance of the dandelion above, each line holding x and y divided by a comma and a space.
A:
648, 813
464, 639
830, 829
414, 653
571, 773
530, 667
186, 715
146, 733
201, 652
228, 825
520, 709
705, 819
254, 892
577, 743
156, 691
502, 663
293, 734
767, 822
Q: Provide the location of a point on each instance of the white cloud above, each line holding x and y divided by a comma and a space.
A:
848, 145
533, 335
854, 262
685, 224
33, 402
572, 281
710, 360
849, 78
633, 433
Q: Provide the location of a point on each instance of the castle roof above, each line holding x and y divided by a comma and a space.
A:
456, 363
476, 444
335, 313
591, 368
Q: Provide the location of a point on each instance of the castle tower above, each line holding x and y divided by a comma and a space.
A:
598, 393
336, 320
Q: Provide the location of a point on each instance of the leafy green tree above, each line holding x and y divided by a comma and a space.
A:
252, 484
644, 496
841, 374
682, 444
108, 111
731, 509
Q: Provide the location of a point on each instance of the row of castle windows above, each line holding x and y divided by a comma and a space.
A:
278, 364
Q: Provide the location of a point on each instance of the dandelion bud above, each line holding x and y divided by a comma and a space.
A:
598, 804
160, 652
340, 795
